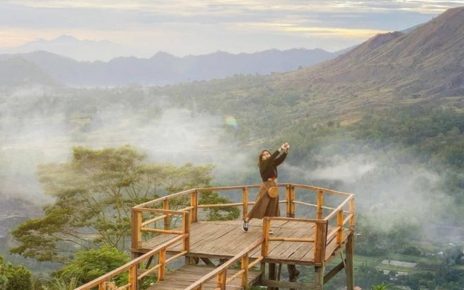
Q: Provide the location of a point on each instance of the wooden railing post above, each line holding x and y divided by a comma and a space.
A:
320, 242
320, 203
221, 280
340, 218
194, 205
244, 267
288, 197
136, 228
349, 262
245, 194
162, 263
266, 227
186, 230
167, 219
133, 277
352, 209
291, 190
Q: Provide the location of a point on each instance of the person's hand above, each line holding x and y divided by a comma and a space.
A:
285, 146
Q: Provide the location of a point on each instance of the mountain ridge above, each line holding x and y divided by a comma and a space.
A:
424, 65
163, 68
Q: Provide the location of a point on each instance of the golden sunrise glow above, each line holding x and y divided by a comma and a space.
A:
356, 33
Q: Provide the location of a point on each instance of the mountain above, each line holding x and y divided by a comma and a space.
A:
72, 47
163, 68
424, 65
16, 71
420, 65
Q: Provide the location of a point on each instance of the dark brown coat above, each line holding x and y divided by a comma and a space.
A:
265, 206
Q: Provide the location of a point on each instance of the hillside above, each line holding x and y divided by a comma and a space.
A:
163, 68
15, 72
424, 65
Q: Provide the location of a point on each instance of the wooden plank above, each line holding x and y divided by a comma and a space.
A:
194, 205
289, 201
292, 201
319, 277
187, 275
186, 231
340, 219
349, 252
224, 239
136, 218
265, 246
221, 280
320, 203
161, 231
333, 246
133, 277
167, 219
244, 266
334, 272
321, 236
352, 209
245, 198
162, 262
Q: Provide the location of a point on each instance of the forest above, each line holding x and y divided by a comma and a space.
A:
404, 163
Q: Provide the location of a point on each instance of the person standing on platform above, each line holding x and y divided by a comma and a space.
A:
267, 201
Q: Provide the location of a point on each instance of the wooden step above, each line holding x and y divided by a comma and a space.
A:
188, 274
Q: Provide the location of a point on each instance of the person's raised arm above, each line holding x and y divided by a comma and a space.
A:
283, 150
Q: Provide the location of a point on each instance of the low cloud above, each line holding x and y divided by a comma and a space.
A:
389, 192
37, 134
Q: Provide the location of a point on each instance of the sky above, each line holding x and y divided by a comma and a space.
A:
183, 27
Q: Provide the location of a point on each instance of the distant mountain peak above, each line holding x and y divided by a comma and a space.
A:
65, 38
162, 55
75, 48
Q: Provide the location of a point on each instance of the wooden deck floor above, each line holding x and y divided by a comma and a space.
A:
224, 239
188, 274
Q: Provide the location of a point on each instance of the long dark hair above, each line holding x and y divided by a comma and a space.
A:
260, 157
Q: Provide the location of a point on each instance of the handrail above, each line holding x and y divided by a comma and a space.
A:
164, 197
197, 284
338, 208
315, 188
341, 220
145, 219
281, 218
324, 212
232, 187
126, 267
312, 204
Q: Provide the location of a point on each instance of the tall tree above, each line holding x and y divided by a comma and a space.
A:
94, 193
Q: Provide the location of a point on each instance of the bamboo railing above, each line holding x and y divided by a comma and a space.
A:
134, 271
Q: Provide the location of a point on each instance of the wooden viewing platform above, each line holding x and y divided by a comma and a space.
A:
219, 255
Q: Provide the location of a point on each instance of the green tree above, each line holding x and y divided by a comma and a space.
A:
91, 264
94, 193
61, 284
218, 213
14, 277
